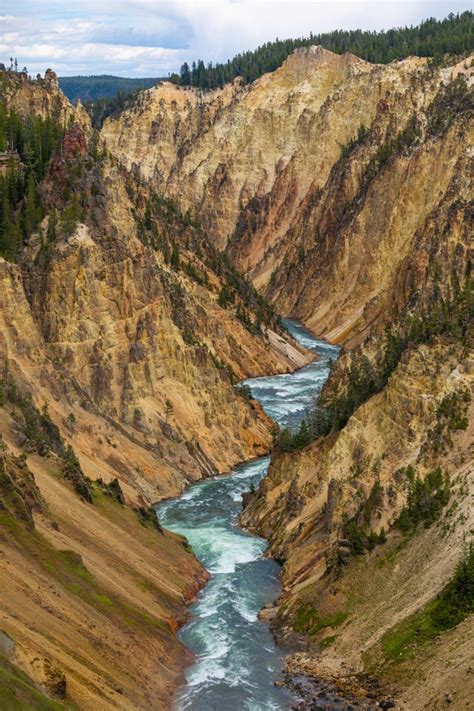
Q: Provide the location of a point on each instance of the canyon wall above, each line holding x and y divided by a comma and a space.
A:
123, 333
355, 581
308, 171
125, 338
344, 190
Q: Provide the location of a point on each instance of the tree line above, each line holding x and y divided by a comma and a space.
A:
431, 38
91, 88
29, 144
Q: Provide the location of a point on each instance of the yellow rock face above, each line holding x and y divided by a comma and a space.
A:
98, 340
261, 166
91, 598
129, 347
302, 504
134, 361
41, 98
216, 151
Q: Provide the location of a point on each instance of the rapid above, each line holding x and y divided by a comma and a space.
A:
236, 659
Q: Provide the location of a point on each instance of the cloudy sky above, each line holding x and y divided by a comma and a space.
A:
150, 38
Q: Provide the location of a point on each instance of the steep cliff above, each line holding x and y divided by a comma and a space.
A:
400, 194
218, 150
306, 171
40, 98
123, 333
91, 596
126, 310
333, 513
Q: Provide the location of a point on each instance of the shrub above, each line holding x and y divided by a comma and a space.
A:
244, 391
426, 499
454, 603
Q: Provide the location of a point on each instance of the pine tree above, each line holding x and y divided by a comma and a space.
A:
175, 261
185, 75
10, 236
52, 225
31, 211
431, 38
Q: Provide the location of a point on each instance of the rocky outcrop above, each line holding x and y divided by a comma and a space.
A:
306, 171
349, 575
137, 352
333, 475
41, 97
122, 336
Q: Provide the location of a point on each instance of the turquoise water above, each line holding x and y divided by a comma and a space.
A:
237, 661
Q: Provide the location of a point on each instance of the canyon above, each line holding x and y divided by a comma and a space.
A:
117, 391
342, 190
262, 166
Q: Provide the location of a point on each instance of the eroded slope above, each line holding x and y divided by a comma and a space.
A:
122, 335
312, 169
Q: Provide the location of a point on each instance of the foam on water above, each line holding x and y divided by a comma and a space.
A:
237, 661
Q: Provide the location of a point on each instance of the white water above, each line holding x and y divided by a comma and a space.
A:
237, 661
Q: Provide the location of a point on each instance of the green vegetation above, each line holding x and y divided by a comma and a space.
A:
449, 608
42, 434
402, 143
244, 391
347, 149
452, 410
431, 38
163, 227
112, 489
17, 500
105, 95
146, 515
451, 100
149, 518
285, 440
37, 426
73, 473
19, 693
31, 141
68, 569
29, 191
448, 315
448, 103
34, 138
308, 621
195, 273
426, 499
328, 641
358, 534
91, 88
359, 540
451, 416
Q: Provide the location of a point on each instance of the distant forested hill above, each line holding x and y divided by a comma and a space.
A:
103, 86
454, 36
431, 38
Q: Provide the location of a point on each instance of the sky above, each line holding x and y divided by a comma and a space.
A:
146, 38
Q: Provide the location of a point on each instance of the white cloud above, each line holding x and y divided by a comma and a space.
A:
146, 37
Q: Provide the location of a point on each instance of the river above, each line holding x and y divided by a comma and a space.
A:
237, 661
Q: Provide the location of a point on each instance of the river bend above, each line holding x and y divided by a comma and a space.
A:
237, 661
